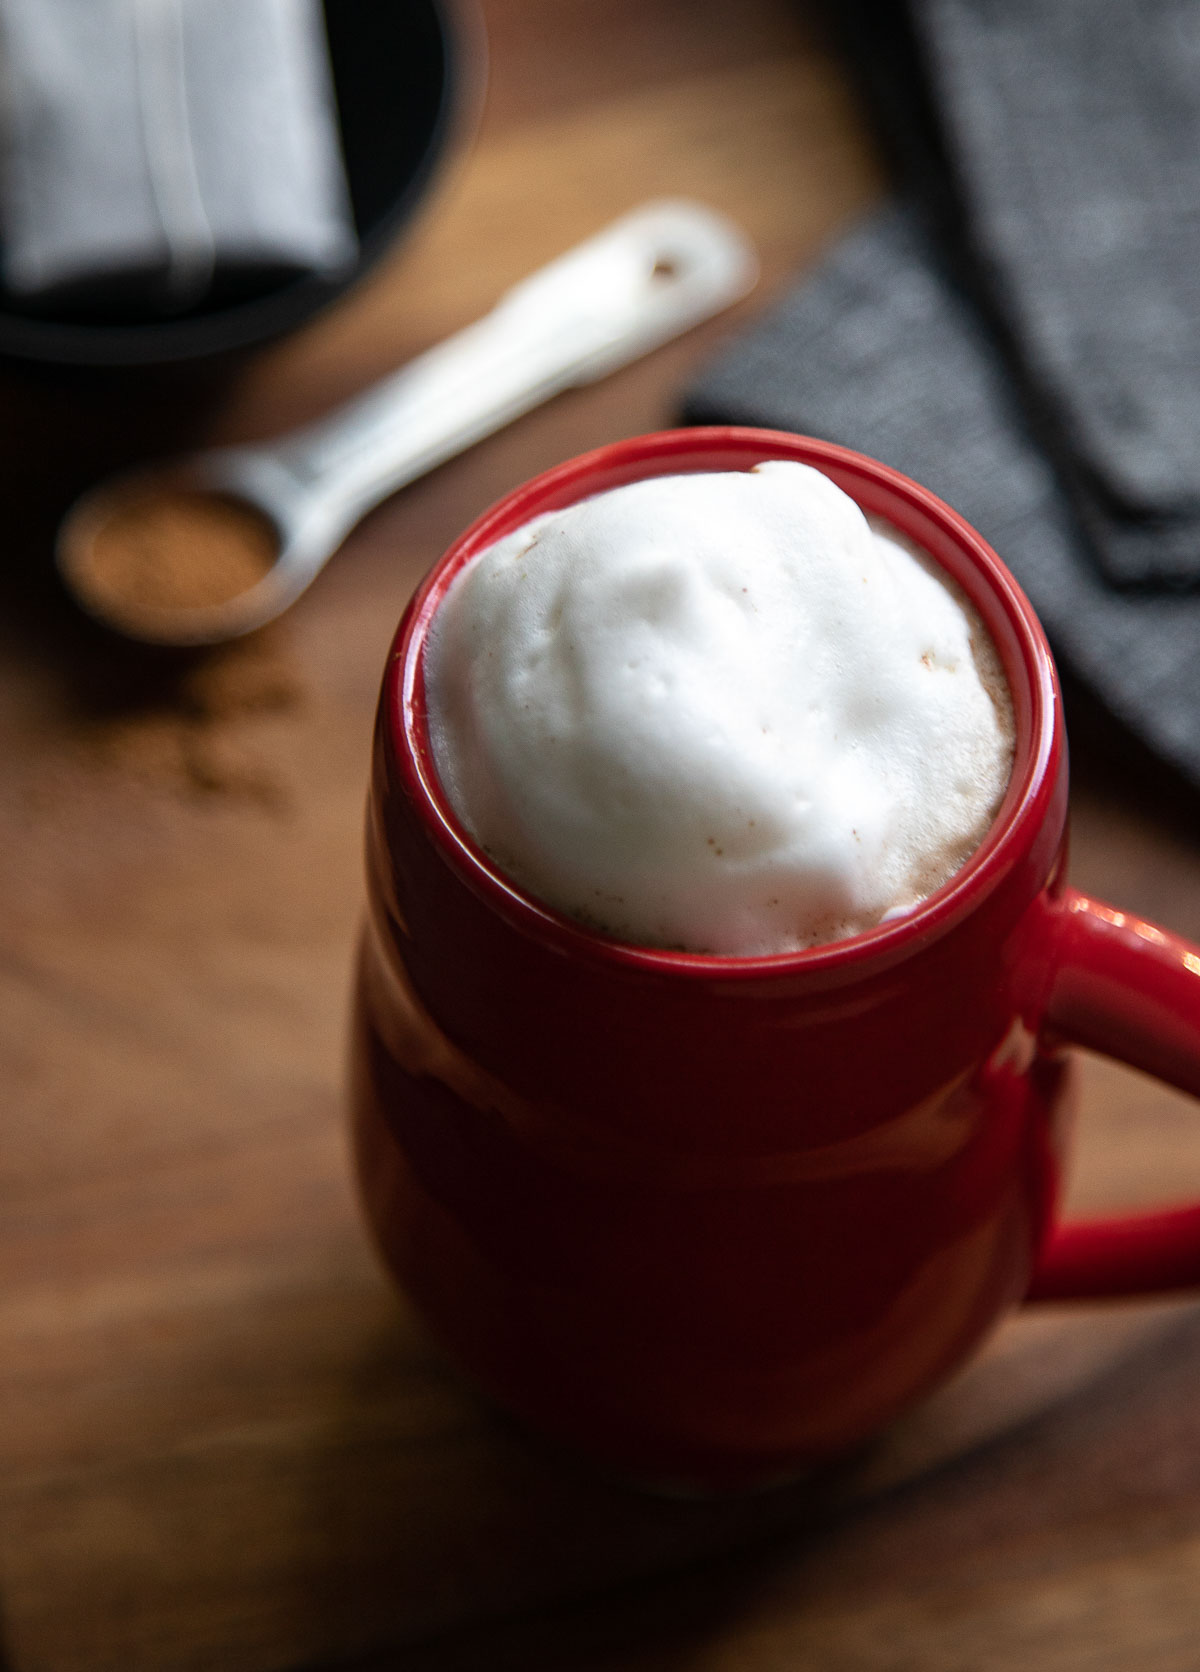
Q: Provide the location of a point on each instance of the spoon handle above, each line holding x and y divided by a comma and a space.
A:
645, 279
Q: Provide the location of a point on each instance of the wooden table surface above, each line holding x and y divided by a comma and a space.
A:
224, 1442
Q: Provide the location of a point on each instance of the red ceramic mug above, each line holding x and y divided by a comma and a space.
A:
712, 1219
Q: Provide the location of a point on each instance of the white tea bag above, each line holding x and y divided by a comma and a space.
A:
152, 147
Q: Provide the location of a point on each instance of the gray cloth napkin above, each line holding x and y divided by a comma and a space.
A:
151, 147
1074, 131
1052, 214
1058, 143
879, 350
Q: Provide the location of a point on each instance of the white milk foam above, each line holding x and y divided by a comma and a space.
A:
718, 712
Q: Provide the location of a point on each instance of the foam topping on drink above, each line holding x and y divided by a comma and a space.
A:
717, 712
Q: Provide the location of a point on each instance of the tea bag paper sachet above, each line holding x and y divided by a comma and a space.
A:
154, 148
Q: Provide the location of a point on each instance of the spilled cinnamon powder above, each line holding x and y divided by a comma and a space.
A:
209, 724
170, 550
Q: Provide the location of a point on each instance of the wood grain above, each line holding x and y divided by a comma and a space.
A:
223, 1440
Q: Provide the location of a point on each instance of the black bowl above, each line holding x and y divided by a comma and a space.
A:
398, 70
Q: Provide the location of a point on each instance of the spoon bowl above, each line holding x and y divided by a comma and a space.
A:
171, 556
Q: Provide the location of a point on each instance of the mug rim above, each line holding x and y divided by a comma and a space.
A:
963, 554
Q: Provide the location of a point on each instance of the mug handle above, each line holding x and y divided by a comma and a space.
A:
1131, 991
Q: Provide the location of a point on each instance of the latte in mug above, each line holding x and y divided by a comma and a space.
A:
714, 1219
720, 712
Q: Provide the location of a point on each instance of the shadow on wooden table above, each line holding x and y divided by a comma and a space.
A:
167, 714
429, 1509
1112, 765
1062, 1537
432, 1513
63, 431
327, 1488
60, 433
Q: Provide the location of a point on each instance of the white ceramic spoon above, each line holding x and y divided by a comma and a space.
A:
645, 279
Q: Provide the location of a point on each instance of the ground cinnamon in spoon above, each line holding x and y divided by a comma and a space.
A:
172, 550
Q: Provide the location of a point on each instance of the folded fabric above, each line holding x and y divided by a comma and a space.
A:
880, 350
154, 148
1066, 138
